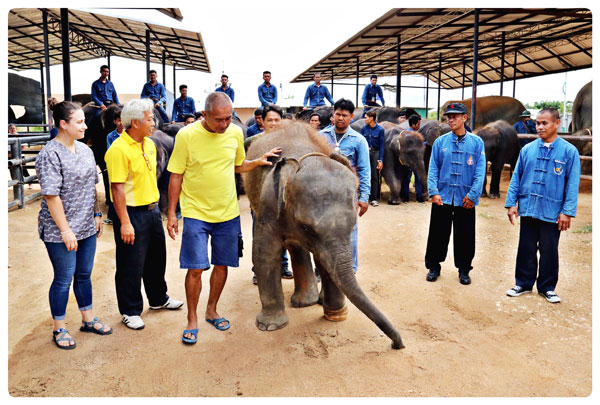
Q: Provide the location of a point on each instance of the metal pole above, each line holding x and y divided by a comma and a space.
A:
398, 75
475, 63
439, 86
108, 64
502, 63
47, 65
463, 80
331, 83
515, 74
357, 73
147, 52
66, 56
164, 76
174, 81
42, 95
427, 95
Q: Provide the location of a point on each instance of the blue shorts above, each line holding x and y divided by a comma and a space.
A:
223, 241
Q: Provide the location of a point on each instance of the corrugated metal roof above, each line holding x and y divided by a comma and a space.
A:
94, 35
545, 41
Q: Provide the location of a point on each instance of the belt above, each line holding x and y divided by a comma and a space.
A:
148, 207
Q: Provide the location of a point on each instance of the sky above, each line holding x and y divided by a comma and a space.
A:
243, 39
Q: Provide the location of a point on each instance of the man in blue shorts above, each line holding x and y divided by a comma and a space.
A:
206, 155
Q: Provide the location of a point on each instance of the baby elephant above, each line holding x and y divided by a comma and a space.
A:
306, 202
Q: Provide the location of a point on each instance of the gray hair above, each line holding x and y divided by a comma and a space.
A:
134, 110
215, 99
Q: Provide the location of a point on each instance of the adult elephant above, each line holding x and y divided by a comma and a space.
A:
324, 113
306, 202
431, 130
501, 147
490, 109
391, 114
403, 151
582, 124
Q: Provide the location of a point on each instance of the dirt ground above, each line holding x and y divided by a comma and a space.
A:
460, 340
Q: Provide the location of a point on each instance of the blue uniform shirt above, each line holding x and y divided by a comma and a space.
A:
267, 94
355, 148
229, 91
545, 182
102, 92
525, 128
316, 94
370, 94
457, 168
182, 107
253, 130
110, 138
375, 137
156, 93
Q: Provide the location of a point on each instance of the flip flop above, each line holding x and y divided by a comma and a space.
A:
190, 341
215, 322
62, 332
89, 327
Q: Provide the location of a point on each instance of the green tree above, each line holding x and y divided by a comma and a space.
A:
538, 105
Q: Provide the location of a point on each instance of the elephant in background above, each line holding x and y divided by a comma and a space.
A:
306, 202
501, 146
431, 130
324, 113
582, 124
490, 109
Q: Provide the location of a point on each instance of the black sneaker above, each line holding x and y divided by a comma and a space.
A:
463, 278
286, 273
550, 296
516, 291
432, 275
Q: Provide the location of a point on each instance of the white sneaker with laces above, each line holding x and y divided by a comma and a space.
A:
516, 291
375, 203
170, 304
133, 322
550, 296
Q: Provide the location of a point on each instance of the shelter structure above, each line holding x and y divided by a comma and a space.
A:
458, 48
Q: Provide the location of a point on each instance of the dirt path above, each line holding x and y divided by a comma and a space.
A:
460, 340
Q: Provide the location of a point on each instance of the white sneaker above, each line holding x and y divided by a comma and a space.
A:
375, 203
550, 296
133, 322
170, 304
516, 291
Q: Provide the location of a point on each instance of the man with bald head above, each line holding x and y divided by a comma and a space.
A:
206, 155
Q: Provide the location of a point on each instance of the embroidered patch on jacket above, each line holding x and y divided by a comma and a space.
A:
470, 161
558, 170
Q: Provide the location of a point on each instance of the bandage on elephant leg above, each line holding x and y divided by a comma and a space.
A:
336, 315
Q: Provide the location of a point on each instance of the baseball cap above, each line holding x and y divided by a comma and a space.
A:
525, 113
456, 108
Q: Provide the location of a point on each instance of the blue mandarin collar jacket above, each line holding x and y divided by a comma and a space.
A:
267, 94
316, 94
156, 93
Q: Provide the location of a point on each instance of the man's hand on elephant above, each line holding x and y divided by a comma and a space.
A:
512, 212
564, 222
272, 153
379, 165
362, 207
437, 199
467, 203
172, 226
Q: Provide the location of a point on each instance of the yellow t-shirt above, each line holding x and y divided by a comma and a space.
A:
126, 163
207, 161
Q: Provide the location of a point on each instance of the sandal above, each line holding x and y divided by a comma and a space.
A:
89, 327
217, 323
62, 332
193, 339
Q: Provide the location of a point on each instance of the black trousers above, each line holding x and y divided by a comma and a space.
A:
443, 219
537, 235
375, 177
145, 260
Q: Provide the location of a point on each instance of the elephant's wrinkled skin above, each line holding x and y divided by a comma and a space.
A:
490, 109
431, 130
582, 124
403, 150
501, 146
305, 202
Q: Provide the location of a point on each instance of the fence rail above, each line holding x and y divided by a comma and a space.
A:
16, 165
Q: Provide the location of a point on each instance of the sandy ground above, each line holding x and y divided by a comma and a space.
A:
460, 340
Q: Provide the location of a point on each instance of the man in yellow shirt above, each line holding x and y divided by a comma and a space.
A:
138, 230
206, 155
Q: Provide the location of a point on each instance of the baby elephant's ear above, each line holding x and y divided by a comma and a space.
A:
340, 158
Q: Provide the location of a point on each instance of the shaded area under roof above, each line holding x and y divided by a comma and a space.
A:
95, 35
543, 40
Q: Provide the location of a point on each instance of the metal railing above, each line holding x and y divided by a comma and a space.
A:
17, 163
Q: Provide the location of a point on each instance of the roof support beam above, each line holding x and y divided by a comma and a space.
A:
475, 65
66, 60
47, 64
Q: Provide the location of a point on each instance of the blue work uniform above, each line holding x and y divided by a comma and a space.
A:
104, 93
375, 137
253, 130
229, 91
267, 94
183, 107
370, 94
158, 95
315, 94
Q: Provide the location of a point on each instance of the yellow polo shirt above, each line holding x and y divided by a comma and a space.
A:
207, 161
126, 164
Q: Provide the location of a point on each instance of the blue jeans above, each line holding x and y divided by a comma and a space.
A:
163, 114
404, 188
70, 266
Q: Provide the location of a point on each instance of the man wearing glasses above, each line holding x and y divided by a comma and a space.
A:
139, 236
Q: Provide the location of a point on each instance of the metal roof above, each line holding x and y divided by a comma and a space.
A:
95, 35
546, 41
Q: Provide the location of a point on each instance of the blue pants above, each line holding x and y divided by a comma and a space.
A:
163, 114
76, 266
404, 188
537, 235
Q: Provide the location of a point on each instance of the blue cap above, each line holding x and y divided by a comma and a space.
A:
456, 108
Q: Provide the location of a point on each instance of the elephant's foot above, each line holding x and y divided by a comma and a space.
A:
336, 315
305, 298
272, 320
394, 202
494, 195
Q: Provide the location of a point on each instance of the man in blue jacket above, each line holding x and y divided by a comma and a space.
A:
455, 181
375, 136
370, 94
103, 91
155, 91
267, 93
525, 125
316, 92
545, 185
354, 147
183, 106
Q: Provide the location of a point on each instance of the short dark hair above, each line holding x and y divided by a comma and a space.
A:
183, 86
266, 72
272, 107
117, 113
414, 119
552, 111
104, 67
316, 73
373, 77
64, 110
224, 75
258, 111
152, 71
313, 115
344, 104
198, 114
185, 117
372, 114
